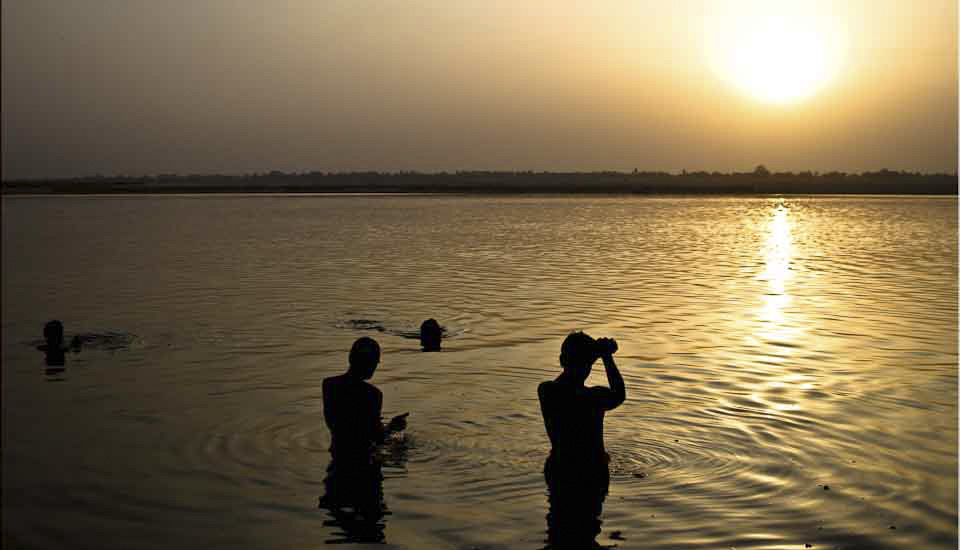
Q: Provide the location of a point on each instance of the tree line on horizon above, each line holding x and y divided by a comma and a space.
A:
759, 180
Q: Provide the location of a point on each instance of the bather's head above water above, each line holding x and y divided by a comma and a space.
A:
53, 333
577, 355
364, 358
430, 335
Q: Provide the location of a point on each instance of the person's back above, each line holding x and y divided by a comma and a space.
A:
351, 409
574, 419
352, 406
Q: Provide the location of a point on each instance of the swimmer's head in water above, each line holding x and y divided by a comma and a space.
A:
364, 357
577, 354
53, 332
430, 335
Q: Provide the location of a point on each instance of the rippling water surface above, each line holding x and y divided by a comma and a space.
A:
772, 347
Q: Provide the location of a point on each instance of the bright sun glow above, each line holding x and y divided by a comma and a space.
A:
774, 58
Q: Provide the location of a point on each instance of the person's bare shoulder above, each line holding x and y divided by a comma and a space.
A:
331, 382
546, 389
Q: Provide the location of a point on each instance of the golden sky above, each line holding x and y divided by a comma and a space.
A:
234, 86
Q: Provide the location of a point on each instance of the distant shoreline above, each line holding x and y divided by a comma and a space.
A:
883, 182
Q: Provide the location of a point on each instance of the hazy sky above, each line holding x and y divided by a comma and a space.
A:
235, 86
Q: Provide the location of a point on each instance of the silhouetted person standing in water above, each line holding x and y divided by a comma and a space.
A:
430, 335
352, 406
577, 471
354, 482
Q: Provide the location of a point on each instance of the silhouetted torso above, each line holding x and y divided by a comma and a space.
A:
351, 409
576, 471
573, 415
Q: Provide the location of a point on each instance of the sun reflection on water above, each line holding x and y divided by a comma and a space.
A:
774, 324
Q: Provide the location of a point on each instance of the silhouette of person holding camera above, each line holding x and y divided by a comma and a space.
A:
577, 470
354, 482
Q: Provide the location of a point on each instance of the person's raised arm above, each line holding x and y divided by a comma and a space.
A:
618, 391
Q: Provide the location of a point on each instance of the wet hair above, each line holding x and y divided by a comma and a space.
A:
53, 331
364, 353
578, 350
430, 335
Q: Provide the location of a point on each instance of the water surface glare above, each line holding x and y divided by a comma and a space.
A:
791, 366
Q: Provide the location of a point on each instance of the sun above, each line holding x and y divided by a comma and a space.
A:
774, 58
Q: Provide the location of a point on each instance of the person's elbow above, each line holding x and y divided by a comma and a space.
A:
617, 399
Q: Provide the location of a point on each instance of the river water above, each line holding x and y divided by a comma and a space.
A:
791, 367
